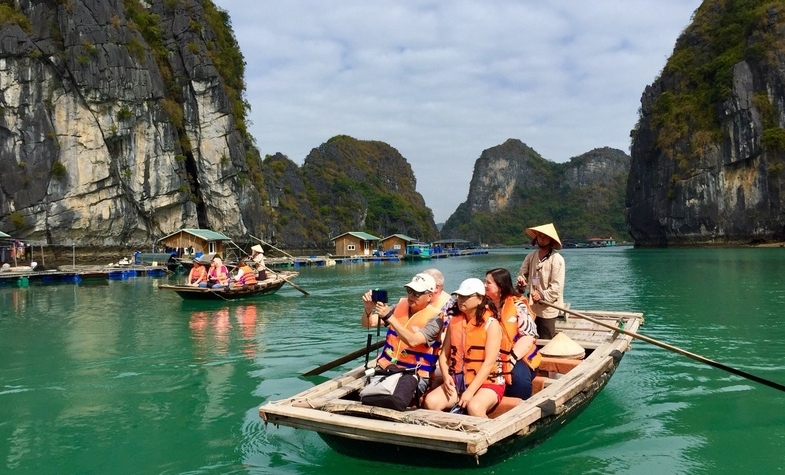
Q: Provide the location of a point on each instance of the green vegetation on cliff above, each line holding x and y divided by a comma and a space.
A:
700, 74
579, 214
366, 186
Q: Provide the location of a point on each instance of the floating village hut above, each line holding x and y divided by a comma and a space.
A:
194, 242
450, 245
601, 242
355, 243
395, 244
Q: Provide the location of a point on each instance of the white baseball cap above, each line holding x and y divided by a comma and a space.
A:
470, 287
422, 283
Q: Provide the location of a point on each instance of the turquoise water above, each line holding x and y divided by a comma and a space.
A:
121, 378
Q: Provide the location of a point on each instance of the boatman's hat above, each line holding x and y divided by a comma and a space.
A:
257, 248
548, 230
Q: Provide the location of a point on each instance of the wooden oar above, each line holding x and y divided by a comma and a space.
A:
344, 359
675, 349
289, 282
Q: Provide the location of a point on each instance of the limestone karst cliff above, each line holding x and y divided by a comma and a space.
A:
513, 187
122, 121
119, 122
708, 152
346, 184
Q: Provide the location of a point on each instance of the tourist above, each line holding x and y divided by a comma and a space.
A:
519, 354
245, 276
475, 383
413, 327
217, 276
543, 270
440, 297
198, 273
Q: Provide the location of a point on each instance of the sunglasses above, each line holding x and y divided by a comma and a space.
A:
414, 293
464, 297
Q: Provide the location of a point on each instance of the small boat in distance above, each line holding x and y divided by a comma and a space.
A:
266, 287
417, 251
563, 387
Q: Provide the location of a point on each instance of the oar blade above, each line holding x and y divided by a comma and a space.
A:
344, 359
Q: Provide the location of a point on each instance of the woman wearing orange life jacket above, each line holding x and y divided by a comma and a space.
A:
470, 355
519, 353
198, 273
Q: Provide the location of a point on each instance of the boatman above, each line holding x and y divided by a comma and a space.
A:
413, 328
543, 271
257, 255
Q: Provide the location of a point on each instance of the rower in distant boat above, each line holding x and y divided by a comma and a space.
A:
257, 254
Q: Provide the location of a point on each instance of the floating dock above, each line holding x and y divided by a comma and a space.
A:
329, 260
76, 274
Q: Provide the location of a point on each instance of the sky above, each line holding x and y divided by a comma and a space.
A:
441, 81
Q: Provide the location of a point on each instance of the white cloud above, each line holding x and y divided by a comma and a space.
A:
441, 81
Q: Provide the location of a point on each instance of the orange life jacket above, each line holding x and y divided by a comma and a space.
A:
467, 349
248, 277
508, 316
198, 274
396, 352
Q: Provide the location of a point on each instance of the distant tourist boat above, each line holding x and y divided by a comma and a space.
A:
563, 387
265, 287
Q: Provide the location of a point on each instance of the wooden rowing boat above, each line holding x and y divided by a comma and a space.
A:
562, 388
265, 287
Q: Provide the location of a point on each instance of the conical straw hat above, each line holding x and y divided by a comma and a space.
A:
257, 248
561, 346
547, 229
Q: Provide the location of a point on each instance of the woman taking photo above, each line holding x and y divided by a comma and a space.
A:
470, 356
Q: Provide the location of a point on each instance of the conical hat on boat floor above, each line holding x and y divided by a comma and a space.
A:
562, 346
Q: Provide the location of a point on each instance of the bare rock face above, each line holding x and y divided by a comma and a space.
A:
715, 181
513, 187
116, 127
498, 171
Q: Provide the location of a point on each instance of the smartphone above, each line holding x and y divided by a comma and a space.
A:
379, 295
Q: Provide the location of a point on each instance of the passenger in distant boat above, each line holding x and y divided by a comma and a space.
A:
519, 353
470, 356
257, 254
245, 275
413, 328
217, 276
198, 274
543, 271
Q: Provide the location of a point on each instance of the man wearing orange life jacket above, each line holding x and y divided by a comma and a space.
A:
413, 327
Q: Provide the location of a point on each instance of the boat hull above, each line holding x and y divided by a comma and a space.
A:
497, 453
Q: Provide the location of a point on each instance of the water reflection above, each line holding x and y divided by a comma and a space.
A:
211, 331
